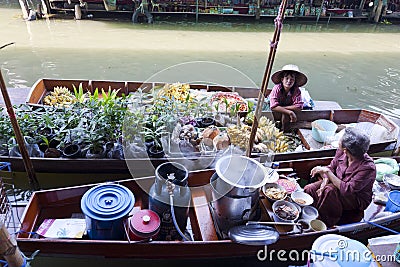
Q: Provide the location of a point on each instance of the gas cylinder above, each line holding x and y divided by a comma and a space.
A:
167, 174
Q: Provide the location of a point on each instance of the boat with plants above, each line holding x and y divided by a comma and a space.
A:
111, 130
213, 226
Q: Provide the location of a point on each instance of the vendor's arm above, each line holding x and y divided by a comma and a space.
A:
327, 176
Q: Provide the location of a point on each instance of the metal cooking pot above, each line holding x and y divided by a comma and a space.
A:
235, 190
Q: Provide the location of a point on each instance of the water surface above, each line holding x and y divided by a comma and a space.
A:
356, 64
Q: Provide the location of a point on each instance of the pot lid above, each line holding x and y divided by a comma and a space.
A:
145, 221
253, 234
107, 202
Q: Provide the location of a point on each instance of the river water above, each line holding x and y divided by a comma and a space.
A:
356, 65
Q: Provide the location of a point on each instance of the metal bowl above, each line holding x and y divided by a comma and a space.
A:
290, 205
269, 196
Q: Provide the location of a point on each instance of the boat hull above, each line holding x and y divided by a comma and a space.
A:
62, 203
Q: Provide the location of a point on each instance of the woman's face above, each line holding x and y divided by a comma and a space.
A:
288, 81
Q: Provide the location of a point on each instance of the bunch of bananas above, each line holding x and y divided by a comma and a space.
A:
239, 136
176, 91
60, 97
268, 138
271, 136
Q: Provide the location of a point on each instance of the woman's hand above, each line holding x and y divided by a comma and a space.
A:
323, 171
325, 181
292, 115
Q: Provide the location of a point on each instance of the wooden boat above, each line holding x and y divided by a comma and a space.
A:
78, 171
207, 243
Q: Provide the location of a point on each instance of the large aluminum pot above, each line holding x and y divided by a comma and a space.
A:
240, 176
235, 191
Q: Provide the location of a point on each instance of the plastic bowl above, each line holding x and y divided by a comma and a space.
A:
322, 129
309, 213
302, 198
268, 186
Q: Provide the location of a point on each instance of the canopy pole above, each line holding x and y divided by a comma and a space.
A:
262, 94
18, 135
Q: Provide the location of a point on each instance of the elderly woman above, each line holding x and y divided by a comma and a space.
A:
285, 96
345, 188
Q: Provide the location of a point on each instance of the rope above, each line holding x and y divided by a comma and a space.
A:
4, 165
278, 25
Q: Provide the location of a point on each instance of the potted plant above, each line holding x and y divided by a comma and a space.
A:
156, 150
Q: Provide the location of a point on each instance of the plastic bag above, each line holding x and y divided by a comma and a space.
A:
385, 166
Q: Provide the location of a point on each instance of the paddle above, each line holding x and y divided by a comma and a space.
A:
267, 73
18, 135
380, 226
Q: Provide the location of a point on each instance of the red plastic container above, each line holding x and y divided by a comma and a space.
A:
144, 224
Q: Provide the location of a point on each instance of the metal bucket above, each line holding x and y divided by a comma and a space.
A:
106, 208
235, 190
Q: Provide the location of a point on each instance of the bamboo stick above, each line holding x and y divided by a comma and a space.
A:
18, 135
3, 46
267, 73
9, 249
274, 223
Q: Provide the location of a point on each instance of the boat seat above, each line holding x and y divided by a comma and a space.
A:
351, 216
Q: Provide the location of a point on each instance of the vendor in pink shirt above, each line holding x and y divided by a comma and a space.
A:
344, 190
286, 95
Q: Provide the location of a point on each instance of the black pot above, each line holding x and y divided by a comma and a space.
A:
54, 143
205, 122
155, 152
72, 151
45, 131
96, 154
52, 153
43, 147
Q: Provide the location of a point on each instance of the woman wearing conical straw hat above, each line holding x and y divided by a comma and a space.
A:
286, 95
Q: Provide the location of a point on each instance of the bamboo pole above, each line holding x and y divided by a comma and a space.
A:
9, 249
18, 135
267, 73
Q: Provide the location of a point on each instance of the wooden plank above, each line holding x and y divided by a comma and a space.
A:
203, 215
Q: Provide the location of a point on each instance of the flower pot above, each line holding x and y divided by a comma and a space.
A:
45, 131
52, 153
205, 122
91, 154
72, 151
155, 152
54, 143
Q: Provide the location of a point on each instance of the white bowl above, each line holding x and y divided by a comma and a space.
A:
392, 180
309, 213
302, 198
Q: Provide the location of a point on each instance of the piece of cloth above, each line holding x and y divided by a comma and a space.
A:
277, 97
355, 191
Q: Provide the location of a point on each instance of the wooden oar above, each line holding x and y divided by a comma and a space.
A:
18, 135
267, 73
